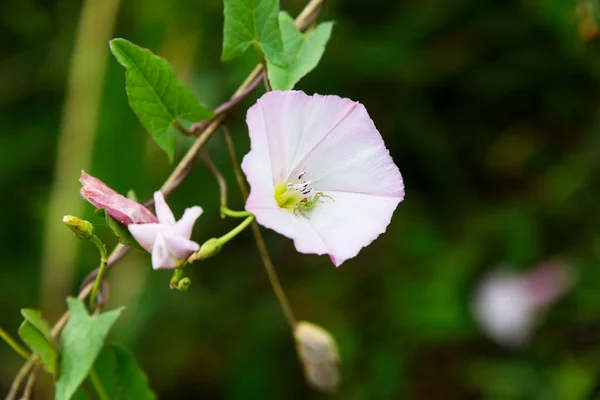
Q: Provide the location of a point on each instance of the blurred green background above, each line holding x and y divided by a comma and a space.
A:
490, 109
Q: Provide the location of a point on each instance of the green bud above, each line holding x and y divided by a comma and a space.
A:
184, 284
83, 229
210, 248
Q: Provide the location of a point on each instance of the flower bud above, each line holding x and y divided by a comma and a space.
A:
184, 284
84, 230
319, 355
208, 249
119, 207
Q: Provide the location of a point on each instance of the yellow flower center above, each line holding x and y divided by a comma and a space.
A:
285, 197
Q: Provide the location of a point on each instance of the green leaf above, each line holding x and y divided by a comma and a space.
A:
81, 340
157, 97
252, 22
130, 380
35, 332
302, 52
121, 377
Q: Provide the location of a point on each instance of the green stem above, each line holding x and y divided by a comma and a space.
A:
14, 345
177, 275
98, 385
220, 179
181, 129
102, 248
260, 242
235, 214
235, 231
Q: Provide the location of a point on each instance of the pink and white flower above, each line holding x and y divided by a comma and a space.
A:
167, 240
319, 173
507, 303
124, 210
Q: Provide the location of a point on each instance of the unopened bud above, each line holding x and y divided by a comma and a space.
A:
83, 229
184, 284
319, 355
208, 249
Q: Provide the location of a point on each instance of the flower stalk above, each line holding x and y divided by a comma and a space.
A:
260, 242
103, 261
14, 345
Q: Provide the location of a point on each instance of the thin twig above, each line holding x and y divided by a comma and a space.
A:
14, 344
30, 383
306, 17
220, 180
253, 80
260, 242
239, 177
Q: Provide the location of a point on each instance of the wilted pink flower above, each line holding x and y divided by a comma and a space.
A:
124, 210
508, 303
168, 241
319, 173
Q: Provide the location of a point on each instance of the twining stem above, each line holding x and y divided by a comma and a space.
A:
306, 17
30, 383
220, 180
239, 177
98, 385
235, 231
208, 128
103, 260
260, 242
88, 391
14, 345
234, 214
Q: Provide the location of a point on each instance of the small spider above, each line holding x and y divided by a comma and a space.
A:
308, 203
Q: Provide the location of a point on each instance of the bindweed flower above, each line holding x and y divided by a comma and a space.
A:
508, 303
121, 208
319, 173
167, 240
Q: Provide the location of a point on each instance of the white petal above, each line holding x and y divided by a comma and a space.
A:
179, 247
184, 226
286, 126
353, 158
160, 254
163, 212
306, 240
350, 222
145, 234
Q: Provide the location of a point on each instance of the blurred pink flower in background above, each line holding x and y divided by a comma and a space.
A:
168, 240
319, 173
508, 303
124, 210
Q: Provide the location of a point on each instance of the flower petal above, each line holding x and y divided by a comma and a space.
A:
163, 212
286, 126
184, 226
146, 234
306, 240
124, 210
350, 222
336, 143
160, 254
179, 247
